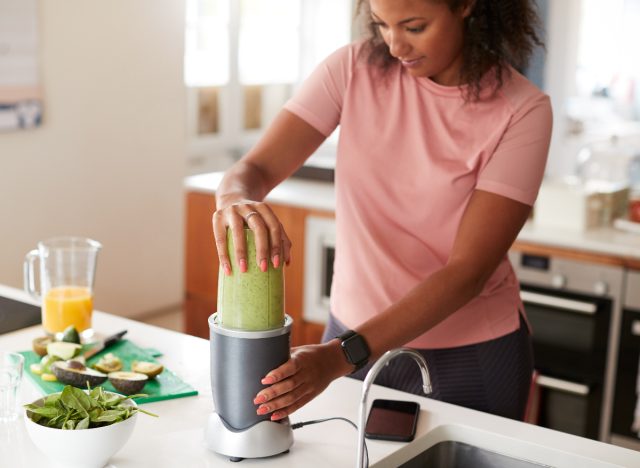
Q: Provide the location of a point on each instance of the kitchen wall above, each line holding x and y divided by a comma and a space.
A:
108, 161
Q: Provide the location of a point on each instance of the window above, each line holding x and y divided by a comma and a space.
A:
592, 74
243, 60
607, 46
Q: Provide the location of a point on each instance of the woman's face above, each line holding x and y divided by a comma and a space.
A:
425, 35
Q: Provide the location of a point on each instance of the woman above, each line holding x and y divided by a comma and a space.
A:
442, 150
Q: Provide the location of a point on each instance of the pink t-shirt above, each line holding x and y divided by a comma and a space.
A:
410, 155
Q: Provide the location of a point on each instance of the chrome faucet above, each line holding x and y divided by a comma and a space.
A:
371, 376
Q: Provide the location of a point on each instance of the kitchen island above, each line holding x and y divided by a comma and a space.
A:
176, 437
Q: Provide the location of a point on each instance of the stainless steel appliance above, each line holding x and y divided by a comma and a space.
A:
239, 360
574, 311
625, 427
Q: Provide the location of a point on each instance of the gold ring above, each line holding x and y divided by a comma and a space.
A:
246, 218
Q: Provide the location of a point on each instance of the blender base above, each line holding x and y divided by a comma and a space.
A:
265, 439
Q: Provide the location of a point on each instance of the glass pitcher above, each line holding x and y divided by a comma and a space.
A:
67, 273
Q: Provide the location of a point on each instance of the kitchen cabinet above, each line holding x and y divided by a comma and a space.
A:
202, 267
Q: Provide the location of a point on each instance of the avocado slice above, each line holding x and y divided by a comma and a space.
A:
128, 382
46, 362
63, 350
77, 374
150, 369
108, 363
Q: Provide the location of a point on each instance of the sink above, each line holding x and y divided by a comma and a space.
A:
461, 446
460, 455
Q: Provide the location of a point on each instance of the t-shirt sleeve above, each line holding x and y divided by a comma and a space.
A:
319, 99
517, 166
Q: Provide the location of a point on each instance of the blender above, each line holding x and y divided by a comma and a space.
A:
249, 336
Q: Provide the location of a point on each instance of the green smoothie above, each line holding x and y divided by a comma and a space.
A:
253, 300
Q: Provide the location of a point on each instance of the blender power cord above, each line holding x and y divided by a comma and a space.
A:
298, 425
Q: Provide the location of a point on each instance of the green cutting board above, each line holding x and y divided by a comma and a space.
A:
165, 386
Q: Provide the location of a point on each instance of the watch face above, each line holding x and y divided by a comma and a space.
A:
356, 349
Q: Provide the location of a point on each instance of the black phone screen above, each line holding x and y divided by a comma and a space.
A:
392, 420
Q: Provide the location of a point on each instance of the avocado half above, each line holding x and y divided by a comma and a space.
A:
150, 369
127, 382
77, 374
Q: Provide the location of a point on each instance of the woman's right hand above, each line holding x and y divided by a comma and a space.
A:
272, 242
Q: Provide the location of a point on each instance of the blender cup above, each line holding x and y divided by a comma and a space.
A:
249, 336
251, 301
67, 273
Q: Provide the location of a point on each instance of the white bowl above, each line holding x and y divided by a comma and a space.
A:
84, 448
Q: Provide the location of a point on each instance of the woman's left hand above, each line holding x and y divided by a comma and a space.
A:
304, 376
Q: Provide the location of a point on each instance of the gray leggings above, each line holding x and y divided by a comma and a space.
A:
493, 376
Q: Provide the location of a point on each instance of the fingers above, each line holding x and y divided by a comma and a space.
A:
290, 409
283, 381
295, 383
269, 402
286, 245
293, 394
275, 233
220, 235
271, 241
286, 370
255, 220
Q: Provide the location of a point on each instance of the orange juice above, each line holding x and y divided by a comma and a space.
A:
67, 305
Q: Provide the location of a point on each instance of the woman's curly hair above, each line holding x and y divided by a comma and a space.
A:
496, 34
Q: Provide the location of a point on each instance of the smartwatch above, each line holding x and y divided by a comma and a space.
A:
355, 349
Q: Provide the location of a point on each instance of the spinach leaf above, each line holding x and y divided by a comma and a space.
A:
75, 398
45, 411
74, 409
83, 424
110, 416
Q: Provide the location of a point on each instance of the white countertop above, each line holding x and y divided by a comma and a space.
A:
607, 241
294, 192
321, 195
176, 437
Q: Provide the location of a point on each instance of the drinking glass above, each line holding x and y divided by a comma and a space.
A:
67, 273
11, 365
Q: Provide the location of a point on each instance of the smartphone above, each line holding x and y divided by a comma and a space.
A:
392, 420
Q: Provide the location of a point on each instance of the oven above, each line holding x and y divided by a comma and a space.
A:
572, 307
625, 426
